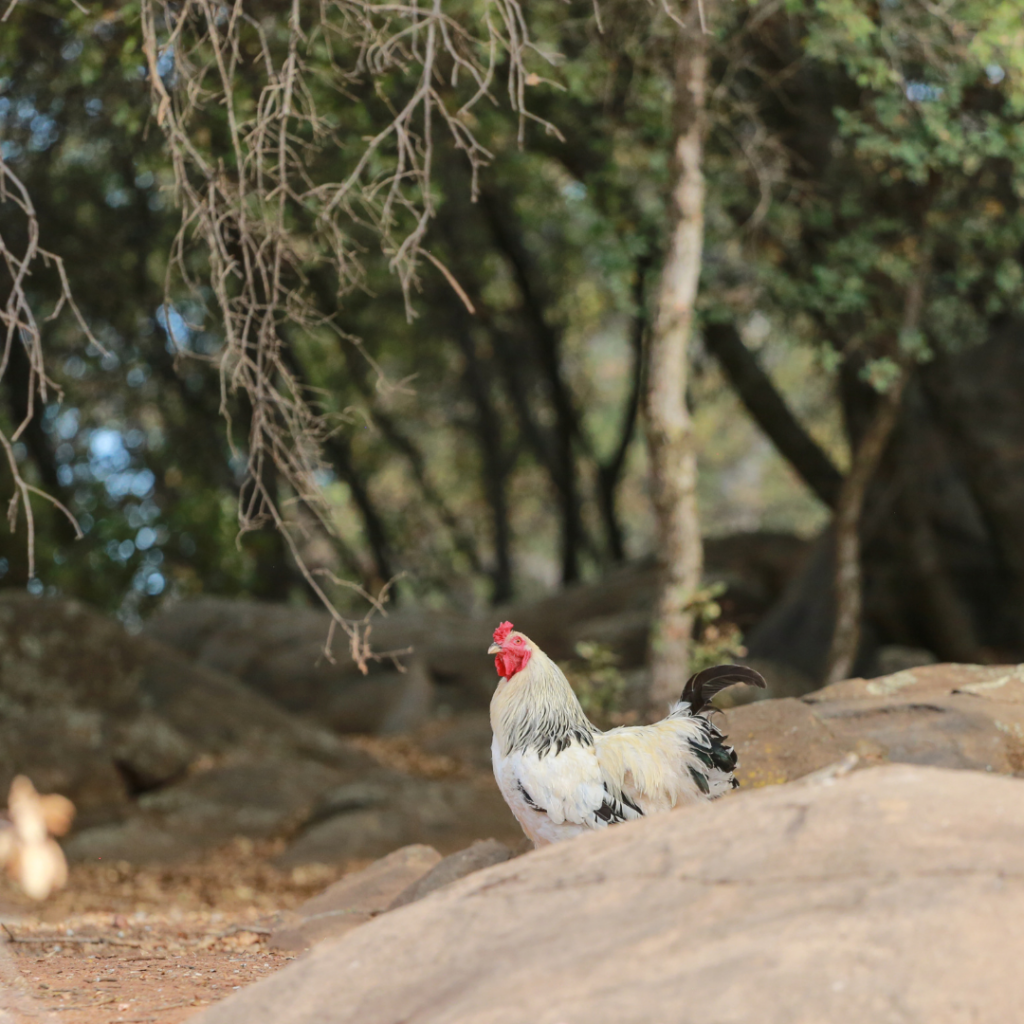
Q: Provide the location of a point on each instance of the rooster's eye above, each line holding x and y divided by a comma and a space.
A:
518, 641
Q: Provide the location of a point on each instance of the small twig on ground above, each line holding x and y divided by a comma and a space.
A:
61, 940
160, 1009
83, 1006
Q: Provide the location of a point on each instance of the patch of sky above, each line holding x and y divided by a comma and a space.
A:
5, 108
20, 451
110, 361
10, 150
107, 451
66, 423
175, 326
117, 197
35, 587
138, 483
44, 133
5, 567
72, 50
574, 191
239, 463
137, 376
145, 538
74, 367
995, 73
94, 106
165, 66
922, 92
144, 180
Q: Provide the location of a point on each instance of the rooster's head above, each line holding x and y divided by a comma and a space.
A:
512, 650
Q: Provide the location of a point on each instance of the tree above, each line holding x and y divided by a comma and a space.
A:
673, 459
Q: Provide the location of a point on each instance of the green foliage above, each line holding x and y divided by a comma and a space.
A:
714, 642
599, 684
849, 142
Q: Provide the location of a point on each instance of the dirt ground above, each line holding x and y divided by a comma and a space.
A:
122, 945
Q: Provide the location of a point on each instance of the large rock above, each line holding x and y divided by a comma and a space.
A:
354, 899
165, 758
368, 819
278, 650
893, 894
484, 853
951, 716
101, 716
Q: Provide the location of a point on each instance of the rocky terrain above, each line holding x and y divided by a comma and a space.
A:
892, 894
224, 829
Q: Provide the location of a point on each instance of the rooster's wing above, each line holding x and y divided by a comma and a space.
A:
568, 787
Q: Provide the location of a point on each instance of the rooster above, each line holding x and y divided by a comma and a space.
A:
561, 776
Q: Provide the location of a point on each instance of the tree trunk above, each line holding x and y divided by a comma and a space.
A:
669, 430
769, 409
849, 582
609, 474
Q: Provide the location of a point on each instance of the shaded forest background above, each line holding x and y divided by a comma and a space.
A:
484, 439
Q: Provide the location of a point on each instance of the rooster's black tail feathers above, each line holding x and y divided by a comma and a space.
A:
702, 686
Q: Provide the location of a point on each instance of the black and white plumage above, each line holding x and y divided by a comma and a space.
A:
561, 776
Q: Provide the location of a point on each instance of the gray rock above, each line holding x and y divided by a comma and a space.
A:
352, 836
354, 899
137, 840
894, 658
372, 818
953, 716
484, 853
150, 751
892, 894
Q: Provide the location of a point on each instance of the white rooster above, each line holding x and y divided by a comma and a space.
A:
562, 776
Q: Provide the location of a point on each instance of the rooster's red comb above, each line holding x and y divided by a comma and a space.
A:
502, 631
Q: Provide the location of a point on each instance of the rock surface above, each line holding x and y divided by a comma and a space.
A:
277, 650
892, 894
484, 853
100, 716
951, 716
165, 758
354, 900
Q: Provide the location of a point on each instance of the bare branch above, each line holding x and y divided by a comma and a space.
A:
20, 326
285, 192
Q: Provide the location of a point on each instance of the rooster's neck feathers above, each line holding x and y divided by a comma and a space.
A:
537, 710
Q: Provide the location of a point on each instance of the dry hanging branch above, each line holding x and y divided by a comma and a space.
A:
285, 190
20, 326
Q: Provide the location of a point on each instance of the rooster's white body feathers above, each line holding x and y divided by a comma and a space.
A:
561, 776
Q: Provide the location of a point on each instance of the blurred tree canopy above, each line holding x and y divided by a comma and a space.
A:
481, 383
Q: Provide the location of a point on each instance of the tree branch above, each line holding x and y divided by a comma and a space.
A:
771, 413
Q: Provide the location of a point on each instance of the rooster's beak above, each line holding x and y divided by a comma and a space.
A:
494, 649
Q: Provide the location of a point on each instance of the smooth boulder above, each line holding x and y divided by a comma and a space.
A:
893, 894
948, 716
